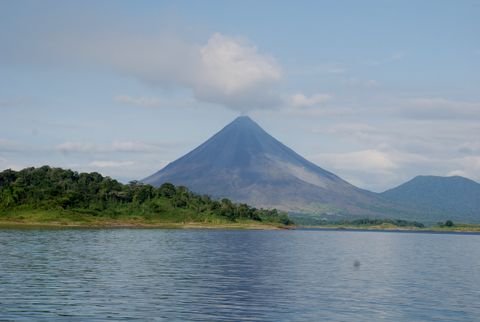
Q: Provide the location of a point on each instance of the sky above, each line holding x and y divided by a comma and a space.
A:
377, 92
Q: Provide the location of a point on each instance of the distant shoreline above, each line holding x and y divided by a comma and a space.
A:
460, 229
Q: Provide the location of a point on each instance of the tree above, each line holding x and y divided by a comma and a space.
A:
449, 223
167, 190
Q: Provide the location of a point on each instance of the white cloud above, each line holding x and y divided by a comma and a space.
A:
233, 73
457, 173
467, 167
365, 160
300, 100
124, 160
380, 168
133, 146
224, 70
404, 149
438, 108
369, 169
123, 170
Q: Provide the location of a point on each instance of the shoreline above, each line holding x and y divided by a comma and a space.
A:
436, 230
138, 225
226, 226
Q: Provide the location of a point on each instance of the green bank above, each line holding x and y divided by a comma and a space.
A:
395, 224
58, 197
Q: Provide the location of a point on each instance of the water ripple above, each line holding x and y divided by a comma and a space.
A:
205, 275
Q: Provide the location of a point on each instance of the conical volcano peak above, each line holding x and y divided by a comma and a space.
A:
241, 154
245, 163
242, 118
244, 122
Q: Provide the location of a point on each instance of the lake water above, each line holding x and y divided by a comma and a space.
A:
220, 275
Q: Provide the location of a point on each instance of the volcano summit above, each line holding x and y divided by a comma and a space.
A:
246, 164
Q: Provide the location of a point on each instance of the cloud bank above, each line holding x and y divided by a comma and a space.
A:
223, 70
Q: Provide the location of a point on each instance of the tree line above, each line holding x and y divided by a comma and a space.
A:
55, 188
380, 221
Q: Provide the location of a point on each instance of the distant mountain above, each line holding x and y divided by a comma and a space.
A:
455, 198
246, 164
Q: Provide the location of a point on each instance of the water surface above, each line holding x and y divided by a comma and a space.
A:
221, 275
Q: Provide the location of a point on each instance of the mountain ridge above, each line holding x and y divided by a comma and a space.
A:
452, 197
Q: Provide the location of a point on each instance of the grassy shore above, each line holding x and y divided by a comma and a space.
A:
454, 228
459, 228
67, 219
182, 220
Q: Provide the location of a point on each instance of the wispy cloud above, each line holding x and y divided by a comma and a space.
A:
113, 147
439, 108
110, 164
370, 169
412, 108
469, 166
326, 68
365, 160
300, 100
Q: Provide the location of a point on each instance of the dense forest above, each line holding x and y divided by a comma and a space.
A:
71, 193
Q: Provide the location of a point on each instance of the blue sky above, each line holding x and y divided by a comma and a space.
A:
375, 91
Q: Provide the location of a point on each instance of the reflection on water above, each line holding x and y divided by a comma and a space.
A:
214, 275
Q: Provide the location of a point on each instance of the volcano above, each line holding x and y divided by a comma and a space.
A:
244, 163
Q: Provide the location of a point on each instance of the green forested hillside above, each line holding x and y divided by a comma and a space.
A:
48, 194
440, 198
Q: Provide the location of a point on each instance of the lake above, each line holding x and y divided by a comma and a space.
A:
222, 275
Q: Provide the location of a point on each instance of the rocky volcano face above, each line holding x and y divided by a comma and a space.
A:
246, 164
